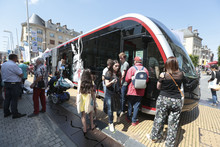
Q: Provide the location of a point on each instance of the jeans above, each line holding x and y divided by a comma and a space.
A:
104, 89
12, 91
133, 102
123, 97
214, 96
108, 103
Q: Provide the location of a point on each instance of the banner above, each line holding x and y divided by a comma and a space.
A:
34, 41
26, 54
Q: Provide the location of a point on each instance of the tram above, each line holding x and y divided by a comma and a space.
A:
135, 35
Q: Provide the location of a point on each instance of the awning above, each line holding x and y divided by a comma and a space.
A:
213, 62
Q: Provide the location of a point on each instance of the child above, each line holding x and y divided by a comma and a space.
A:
86, 89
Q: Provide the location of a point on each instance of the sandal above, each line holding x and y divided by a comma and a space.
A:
93, 127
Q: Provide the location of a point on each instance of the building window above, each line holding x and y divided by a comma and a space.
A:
39, 31
39, 39
59, 30
29, 29
52, 35
52, 42
60, 37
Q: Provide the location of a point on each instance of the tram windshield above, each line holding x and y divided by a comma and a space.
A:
185, 63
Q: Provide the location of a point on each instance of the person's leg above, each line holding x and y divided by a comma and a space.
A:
173, 122
7, 100
123, 97
43, 99
137, 103
214, 96
83, 118
159, 119
104, 103
1, 97
110, 113
129, 108
25, 89
91, 120
36, 94
14, 97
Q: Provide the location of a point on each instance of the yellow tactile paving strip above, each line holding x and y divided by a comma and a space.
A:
198, 128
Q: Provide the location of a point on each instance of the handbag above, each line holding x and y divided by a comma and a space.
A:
182, 95
41, 84
115, 100
213, 85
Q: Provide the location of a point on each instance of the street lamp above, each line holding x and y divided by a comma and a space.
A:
8, 41
11, 35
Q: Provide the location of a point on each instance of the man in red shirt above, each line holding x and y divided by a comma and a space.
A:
134, 95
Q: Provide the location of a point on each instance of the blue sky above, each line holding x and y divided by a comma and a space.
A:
84, 15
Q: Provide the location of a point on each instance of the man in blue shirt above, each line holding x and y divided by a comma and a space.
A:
11, 75
24, 69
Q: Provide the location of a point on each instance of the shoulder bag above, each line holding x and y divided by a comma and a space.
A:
213, 85
182, 95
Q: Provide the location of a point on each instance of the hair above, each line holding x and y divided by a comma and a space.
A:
122, 54
111, 70
86, 82
171, 65
214, 66
41, 60
12, 56
109, 62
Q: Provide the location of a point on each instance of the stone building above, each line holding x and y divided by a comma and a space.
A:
48, 34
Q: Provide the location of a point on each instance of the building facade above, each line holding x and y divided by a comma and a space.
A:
193, 45
48, 34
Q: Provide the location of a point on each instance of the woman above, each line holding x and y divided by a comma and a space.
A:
86, 90
39, 85
112, 82
214, 74
168, 102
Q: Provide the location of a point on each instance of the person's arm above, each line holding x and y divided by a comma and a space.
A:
128, 76
159, 83
108, 83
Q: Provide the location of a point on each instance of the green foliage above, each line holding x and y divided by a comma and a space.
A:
195, 59
218, 55
26, 63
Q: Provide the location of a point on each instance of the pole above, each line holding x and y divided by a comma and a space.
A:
29, 49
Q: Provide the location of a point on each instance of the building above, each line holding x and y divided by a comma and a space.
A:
193, 45
46, 34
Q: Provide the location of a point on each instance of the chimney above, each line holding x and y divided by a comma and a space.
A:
58, 24
65, 26
190, 28
50, 20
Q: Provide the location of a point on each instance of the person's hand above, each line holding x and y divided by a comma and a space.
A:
208, 81
32, 85
132, 78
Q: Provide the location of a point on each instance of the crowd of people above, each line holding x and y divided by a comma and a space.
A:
122, 85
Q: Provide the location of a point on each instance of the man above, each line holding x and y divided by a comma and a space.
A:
11, 75
124, 84
134, 95
109, 63
39, 85
24, 69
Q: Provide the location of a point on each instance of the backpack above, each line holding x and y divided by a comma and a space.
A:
140, 78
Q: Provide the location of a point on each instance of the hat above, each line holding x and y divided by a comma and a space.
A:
139, 59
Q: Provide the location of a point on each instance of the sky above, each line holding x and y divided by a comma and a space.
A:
85, 15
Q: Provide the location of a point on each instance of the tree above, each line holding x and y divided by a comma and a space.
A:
218, 55
195, 59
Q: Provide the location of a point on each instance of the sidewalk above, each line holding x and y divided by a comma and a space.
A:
39, 131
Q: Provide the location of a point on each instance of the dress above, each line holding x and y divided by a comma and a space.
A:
84, 98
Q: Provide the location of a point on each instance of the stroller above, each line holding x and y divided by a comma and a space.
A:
57, 90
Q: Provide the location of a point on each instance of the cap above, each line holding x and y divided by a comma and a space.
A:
138, 59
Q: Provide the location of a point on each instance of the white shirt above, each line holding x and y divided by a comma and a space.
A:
10, 72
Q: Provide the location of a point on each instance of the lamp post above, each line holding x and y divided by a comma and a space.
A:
8, 47
28, 30
11, 36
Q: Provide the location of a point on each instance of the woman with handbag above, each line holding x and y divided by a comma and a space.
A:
39, 85
214, 75
86, 98
169, 102
112, 96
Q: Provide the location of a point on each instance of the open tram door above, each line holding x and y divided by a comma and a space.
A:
145, 47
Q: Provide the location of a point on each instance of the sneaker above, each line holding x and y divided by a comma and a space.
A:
127, 119
214, 105
217, 102
148, 137
135, 123
18, 115
111, 127
121, 114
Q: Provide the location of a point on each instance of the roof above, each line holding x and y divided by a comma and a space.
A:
35, 19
